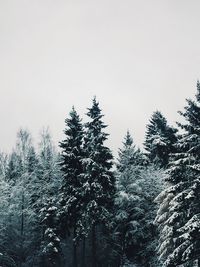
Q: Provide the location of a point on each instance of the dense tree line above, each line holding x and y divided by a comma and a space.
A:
80, 207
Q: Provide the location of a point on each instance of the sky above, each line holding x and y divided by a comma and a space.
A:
135, 56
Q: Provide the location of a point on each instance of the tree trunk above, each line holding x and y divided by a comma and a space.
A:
94, 259
83, 253
74, 250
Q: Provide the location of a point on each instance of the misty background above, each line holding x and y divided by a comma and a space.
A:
135, 56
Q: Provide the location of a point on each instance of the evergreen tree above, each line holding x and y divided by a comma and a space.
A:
99, 181
129, 155
160, 140
137, 186
71, 200
51, 246
45, 198
48, 169
178, 216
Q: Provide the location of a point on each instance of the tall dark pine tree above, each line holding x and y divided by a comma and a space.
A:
179, 214
99, 186
160, 139
71, 190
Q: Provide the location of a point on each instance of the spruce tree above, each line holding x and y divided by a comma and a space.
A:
178, 217
99, 181
51, 244
71, 189
129, 155
160, 139
45, 201
137, 185
48, 169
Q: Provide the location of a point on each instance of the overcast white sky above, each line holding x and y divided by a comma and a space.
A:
136, 56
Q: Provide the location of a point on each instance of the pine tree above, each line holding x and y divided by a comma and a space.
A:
51, 244
129, 155
48, 169
178, 216
160, 140
44, 201
99, 181
71, 189
137, 185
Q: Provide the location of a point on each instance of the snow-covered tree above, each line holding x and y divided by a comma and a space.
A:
137, 186
51, 244
6, 249
45, 195
48, 170
178, 216
71, 200
14, 167
21, 193
27, 185
99, 182
160, 139
129, 155
20, 216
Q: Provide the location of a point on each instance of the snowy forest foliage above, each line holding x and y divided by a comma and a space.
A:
76, 206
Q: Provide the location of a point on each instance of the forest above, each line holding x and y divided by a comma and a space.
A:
75, 205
